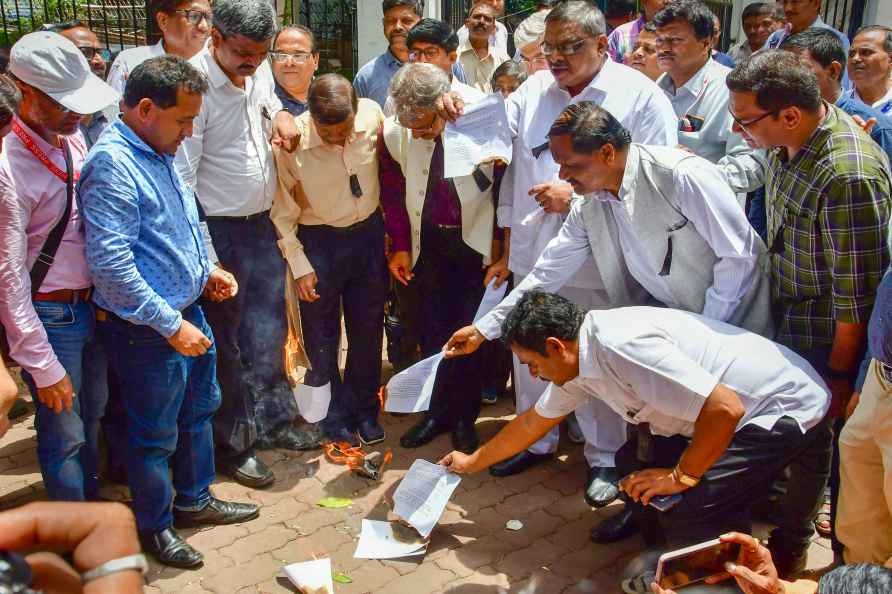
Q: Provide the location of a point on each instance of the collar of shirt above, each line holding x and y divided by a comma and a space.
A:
288, 99
312, 140
465, 47
391, 61
883, 104
589, 362
132, 138
694, 86
600, 83
216, 76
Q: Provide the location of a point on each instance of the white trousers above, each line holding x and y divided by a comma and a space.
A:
604, 430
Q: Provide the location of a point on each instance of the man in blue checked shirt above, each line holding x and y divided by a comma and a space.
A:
150, 266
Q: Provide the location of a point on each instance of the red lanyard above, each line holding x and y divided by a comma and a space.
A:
38, 152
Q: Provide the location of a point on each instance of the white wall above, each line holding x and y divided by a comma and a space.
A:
879, 12
371, 40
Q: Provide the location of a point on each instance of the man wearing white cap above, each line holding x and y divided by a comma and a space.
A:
44, 306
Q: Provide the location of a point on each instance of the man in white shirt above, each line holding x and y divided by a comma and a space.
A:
695, 85
534, 202
718, 410
499, 37
228, 160
184, 26
477, 56
870, 67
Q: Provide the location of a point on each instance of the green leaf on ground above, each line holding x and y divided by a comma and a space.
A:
341, 578
334, 502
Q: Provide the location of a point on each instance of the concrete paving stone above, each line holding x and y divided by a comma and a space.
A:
536, 526
488, 550
171, 579
486, 580
535, 498
426, 578
244, 549
282, 512
451, 561
540, 582
315, 518
320, 544
521, 563
371, 577
259, 569
215, 537
569, 507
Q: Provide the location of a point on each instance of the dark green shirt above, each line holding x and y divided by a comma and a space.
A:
828, 212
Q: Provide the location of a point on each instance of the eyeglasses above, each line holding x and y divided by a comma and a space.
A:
430, 53
195, 16
299, 58
749, 123
90, 52
564, 49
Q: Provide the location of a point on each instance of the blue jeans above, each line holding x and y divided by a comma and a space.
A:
68, 442
169, 400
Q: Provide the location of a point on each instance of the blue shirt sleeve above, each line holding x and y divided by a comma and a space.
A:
109, 203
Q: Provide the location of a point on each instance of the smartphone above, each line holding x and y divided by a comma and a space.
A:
664, 503
695, 563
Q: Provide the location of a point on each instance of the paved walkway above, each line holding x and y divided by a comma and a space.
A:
471, 552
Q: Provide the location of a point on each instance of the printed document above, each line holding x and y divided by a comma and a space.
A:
422, 495
480, 134
410, 390
378, 540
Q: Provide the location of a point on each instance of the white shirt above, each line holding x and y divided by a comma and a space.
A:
882, 103
498, 39
628, 95
658, 366
705, 200
228, 161
129, 59
701, 105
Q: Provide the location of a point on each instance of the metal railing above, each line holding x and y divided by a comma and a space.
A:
117, 23
334, 25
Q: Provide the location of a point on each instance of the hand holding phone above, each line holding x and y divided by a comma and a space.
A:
696, 563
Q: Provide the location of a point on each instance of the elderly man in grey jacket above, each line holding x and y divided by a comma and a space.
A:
664, 227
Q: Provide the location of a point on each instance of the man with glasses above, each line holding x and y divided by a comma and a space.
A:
228, 160
695, 85
45, 304
827, 189
533, 212
184, 26
294, 59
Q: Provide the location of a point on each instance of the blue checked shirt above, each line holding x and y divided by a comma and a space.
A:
144, 246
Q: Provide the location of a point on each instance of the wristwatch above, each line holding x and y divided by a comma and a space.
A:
137, 562
685, 479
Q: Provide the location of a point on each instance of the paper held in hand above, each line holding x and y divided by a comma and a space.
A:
312, 403
422, 495
479, 135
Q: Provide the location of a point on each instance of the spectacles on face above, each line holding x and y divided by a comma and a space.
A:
195, 16
429, 52
565, 49
90, 52
750, 123
300, 58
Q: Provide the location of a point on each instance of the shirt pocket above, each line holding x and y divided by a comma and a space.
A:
54, 315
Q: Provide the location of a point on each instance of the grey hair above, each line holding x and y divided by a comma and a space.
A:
10, 97
416, 87
589, 17
255, 19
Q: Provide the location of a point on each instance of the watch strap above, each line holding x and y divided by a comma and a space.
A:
685, 479
137, 562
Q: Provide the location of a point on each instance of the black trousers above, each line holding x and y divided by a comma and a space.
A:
450, 283
250, 331
351, 272
726, 493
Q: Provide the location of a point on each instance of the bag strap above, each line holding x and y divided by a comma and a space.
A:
47, 254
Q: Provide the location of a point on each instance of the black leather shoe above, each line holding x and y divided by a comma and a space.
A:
421, 433
308, 437
342, 435
216, 513
250, 471
464, 437
169, 548
370, 432
602, 486
615, 528
518, 463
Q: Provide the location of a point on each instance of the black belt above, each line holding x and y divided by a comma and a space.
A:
240, 219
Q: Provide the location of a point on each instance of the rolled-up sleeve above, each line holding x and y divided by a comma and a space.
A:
110, 208
29, 345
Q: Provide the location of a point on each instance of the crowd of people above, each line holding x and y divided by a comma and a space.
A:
696, 246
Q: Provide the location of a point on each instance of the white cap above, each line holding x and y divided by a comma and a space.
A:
51, 63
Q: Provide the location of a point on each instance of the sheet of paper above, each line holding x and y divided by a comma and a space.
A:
422, 495
311, 577
480, 134
312, 403
410, 390
379, 541
491, 298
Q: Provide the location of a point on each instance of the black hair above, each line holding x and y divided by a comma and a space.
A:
822, 44
59, 27
779, 79
590, 127
160, 78
510, 68
255, 19
435, 32
693, 12
327, 101
773, 9
863, 578
619, 8
310, 35
539, 316
413, 4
